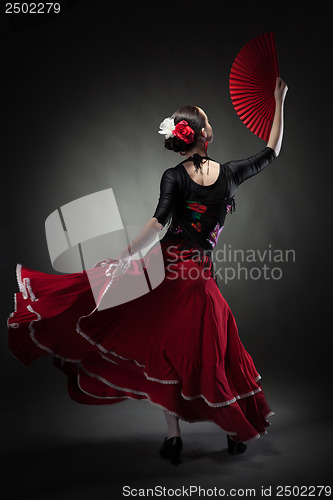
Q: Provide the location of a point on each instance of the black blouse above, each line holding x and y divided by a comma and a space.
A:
198, 212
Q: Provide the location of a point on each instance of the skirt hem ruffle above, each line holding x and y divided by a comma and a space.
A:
30, 338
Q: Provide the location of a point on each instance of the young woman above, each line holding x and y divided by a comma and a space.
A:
177, 346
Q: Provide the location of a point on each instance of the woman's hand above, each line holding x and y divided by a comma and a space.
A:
280, 90
122, 261
118, 267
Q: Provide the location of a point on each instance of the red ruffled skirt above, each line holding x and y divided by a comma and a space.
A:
176, 346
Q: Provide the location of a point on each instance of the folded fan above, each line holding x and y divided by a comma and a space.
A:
252, 83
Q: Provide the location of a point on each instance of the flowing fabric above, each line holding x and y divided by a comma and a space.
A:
177, 346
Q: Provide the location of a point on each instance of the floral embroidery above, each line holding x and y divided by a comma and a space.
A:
178, 229
193, 205
196, 226
196, 211
231, 207
214, 235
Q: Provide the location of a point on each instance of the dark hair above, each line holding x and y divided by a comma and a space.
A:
196, 121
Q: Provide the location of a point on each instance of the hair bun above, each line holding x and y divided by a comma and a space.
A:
175, 144
195, 122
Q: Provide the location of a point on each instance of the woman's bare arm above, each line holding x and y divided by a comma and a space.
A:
276, 135
167, 199
153, 226
143, 238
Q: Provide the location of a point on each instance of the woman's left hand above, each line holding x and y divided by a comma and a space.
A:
281, 89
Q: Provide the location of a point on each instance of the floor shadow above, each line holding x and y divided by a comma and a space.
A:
77, 469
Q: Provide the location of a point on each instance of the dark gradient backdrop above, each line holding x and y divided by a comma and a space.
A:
82, 98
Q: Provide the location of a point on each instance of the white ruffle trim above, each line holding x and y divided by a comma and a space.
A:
188, 398
26, 290
24, 285
38, 344
105, 351
147, 398
151, 402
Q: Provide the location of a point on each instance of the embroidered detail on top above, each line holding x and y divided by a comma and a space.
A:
214, 235
232, 207
176, 229
196, 207
197, 226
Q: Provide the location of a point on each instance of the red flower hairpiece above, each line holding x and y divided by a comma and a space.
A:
184, 132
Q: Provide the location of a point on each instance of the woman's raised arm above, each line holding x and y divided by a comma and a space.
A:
276, 135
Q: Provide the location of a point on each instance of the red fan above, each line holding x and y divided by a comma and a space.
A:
252, 83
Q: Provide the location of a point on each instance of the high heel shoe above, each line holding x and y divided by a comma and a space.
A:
235, 447
171, 448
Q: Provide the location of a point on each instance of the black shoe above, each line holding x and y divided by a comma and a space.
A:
171, 448
235, 447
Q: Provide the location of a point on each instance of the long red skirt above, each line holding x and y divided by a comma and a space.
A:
177, 346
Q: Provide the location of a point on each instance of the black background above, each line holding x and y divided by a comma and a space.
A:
83, 95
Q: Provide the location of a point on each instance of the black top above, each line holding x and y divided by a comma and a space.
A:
198, 212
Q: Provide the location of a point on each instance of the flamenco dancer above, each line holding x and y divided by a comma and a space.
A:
178, 345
